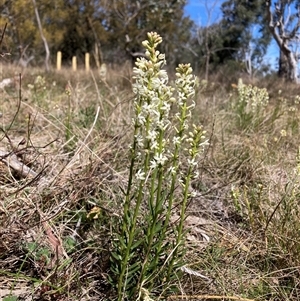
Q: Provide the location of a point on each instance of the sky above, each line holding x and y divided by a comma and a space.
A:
198, 11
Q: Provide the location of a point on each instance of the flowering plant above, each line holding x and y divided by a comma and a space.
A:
149, 248
250, 105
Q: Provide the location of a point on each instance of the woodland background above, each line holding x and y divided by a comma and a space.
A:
112, 32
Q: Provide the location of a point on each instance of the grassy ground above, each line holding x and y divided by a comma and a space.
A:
72, 130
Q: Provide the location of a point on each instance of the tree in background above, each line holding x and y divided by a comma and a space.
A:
112, 30
20, 32
23, 36
284, 24
127, 22
47, 57
239, 38
208, 38
205, 45
246, 36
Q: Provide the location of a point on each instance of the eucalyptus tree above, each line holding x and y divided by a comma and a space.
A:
23, 37
127, 22
246, 35
112, 30
38, 19
20, 30
284, 24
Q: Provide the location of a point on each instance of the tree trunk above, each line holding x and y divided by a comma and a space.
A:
288, 65
283, 70
293, 68
42, 36
98, 49
283, 37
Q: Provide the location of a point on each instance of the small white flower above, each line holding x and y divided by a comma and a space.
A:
196, 174
153, 164
139, 141
147, 108
163, 74
154, 145
193, 194
141, 119
152, 135
172, 170
283, 133
204, 143
181, 182
162, 124
165, 107
176, 140
192, 162
185, 125
160, 159
140, 175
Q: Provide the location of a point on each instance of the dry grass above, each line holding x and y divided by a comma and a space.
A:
55, 221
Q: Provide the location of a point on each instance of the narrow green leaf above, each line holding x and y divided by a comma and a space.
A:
137, 244
10, 298
122, 190
116, 256
158, 227
134, 268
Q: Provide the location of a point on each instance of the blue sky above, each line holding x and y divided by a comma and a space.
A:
196, 9
199, 12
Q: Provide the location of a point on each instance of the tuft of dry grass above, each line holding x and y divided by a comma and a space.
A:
58, 196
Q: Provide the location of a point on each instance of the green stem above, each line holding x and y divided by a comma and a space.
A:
179, 237
155, 203
130, 178
131, 235
133, 220
175, 163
